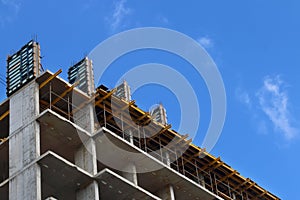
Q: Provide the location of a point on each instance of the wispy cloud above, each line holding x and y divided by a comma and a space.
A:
274, 102
244, 97
87, 5
205, 41
162, 19
116, 20
13, 3
9, 9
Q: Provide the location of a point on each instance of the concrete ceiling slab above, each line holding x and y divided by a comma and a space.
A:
108, 146
61, 178
60, 135
114, 186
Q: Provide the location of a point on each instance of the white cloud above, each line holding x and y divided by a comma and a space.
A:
274, 102
162, 19
119, 13
14, 3
206, 42
243, 97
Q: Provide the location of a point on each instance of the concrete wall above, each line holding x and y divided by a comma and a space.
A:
85, 157
24, 144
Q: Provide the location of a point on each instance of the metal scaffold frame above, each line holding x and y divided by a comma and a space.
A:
194, 162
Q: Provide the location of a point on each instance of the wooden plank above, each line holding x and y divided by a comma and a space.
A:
64, 94
4, 115
50, 79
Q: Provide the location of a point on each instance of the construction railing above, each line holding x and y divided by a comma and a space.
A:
206, 179
209, 172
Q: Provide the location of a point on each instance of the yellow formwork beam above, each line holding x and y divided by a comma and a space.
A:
262, 194
210, 164
197, 154
122, 109
147, 121
143, 116
64, 94
242, 184
215, 160
49, 79
4, 115
228, 176
250, 186
180, 139
218, 165
128, 105
3, 140
105, 97
194, 156
85, 103
162, 130
183, 137
200, 152
187, 142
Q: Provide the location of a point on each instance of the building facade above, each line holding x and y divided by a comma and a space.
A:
68, 140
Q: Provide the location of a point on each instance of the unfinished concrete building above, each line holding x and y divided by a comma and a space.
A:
61, 140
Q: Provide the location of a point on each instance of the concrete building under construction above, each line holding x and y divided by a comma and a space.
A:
61, 140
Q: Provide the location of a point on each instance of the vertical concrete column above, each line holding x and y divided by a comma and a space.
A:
90, 76
130, 135
91, 192
201, 180
167, 158
130, 173
85, 157
84, 118
166, 193
24, 144
123, 91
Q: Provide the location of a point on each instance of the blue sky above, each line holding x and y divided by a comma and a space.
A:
255, 45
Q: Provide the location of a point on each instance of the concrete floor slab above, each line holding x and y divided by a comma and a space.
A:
114, 186
61, 178
60, 135
109, 145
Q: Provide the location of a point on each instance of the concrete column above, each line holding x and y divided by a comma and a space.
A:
167, 159
201, 180
85, 117
90, 76
24, 144
130, 135
166, 193
123, 91
87, 161
91, 192
130, 173
26, 185
86, 158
